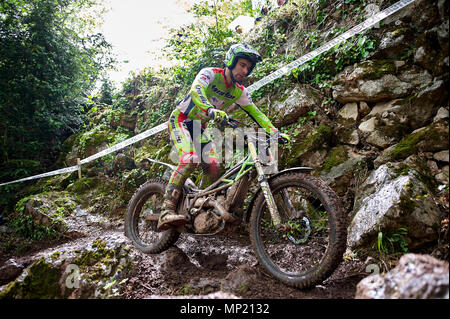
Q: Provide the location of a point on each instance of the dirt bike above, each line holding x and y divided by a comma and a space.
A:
296, 221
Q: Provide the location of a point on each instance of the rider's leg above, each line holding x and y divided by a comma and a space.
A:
210, 164
169, 217
188, 160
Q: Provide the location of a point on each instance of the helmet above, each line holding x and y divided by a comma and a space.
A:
241, 50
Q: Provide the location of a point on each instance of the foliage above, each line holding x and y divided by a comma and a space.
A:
393, 242
24, 225
326, 65
204, 42
48, 63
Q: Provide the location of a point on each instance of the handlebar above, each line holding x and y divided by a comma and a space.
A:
238, 125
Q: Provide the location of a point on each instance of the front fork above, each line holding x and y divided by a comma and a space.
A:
262, 179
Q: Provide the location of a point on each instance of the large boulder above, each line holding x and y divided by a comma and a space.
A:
94, 270
415, 277
341, 168
392, 197
376, 81
57, 214
295, 103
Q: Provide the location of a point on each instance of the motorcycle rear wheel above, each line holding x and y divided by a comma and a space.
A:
313, 248
140, 225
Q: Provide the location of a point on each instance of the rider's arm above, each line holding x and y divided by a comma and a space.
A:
200, 103
245, 103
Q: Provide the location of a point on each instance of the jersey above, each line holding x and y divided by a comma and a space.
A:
211, 89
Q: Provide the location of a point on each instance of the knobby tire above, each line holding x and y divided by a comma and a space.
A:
272, 248
160, 241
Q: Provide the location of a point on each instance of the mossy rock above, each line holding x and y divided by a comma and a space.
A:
42, 216
39, 282
130, 182
99, 266
375, 69
432, 138
305, 140
337, 156
84, 185
318, 138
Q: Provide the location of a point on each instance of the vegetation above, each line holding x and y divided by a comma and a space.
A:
49, 62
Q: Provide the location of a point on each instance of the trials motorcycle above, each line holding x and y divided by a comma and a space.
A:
296, 221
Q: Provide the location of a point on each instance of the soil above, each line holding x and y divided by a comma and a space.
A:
204, 265
210, 267
201, 266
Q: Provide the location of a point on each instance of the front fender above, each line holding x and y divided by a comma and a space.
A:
302, 169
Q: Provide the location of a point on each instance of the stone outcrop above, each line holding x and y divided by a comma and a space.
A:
392, 198
94, 270
415, 277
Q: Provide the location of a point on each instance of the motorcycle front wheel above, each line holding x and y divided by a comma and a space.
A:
313, 247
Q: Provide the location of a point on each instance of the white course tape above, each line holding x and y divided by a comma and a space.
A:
125, 143
271, 77
52, 173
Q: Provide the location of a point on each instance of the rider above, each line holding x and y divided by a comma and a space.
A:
213, 90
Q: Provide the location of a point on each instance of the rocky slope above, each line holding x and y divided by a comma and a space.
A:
376, 131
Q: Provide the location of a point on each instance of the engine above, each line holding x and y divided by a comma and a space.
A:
207, 222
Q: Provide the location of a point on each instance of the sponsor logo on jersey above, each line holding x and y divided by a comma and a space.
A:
198, 88
224, 94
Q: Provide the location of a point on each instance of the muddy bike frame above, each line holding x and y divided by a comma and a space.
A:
250, 162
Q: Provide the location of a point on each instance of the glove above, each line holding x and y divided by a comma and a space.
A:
282, 137
233, 122
217, 115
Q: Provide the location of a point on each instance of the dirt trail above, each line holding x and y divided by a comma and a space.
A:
202, 265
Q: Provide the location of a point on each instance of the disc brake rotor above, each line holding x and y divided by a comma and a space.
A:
301, 232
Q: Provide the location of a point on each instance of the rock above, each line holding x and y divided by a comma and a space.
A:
382, 107
174, 258
53, 210
364, 108
432, 166
297, 103
378, 81
442, 156
442, 178
369, 125
442, 114
380, 139
388, 87
349, 111
204, 285
432, 49
415, 277
350, 136
239, 279
122, 162
130, 182
393, 43
388, 201
340, 176
91, 271
432, 138
421, 14
421, 108
9, 271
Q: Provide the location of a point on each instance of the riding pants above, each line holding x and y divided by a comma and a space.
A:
194, 147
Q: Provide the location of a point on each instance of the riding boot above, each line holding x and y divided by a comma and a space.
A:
169, 218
